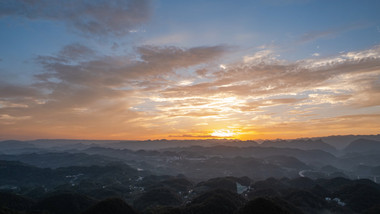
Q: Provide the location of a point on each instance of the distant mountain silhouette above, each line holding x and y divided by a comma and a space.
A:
15, 202
306, 200
62, 159
373, 210
218, 183
298, 195
334, 184
215, 202
17, 173
341, 141
157, 197
15, 146
266, 206
359, 196
64, 203
302, 183
219, 177
287, 161
363, 145
111, 205
301, 144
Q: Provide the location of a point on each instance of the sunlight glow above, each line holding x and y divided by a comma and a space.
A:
223, 133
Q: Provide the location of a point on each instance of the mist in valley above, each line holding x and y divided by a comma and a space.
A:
191, 176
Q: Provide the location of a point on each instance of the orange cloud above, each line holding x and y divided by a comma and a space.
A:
82, 94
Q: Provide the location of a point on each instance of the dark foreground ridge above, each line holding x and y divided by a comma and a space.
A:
231, 177
120, 189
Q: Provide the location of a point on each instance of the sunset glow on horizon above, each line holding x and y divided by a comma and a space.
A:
140, 69
223, 133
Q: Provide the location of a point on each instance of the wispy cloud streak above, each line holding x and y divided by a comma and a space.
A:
95, 18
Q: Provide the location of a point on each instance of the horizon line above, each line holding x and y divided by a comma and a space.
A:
216, 138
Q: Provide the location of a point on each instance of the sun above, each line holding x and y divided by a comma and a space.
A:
222, 133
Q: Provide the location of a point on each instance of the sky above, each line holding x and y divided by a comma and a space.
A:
170, 69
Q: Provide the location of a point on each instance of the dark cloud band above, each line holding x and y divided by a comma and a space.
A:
93, 18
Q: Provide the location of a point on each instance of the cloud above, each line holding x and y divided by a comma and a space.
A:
80, 90
274, 78
177, 57
332, 32
8, 120
266, 55
16, 91
105, 77
95, 18
170, 39
274, 92
167, 90
255, 105
152, 63
192, 136
76, 52
344, 125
